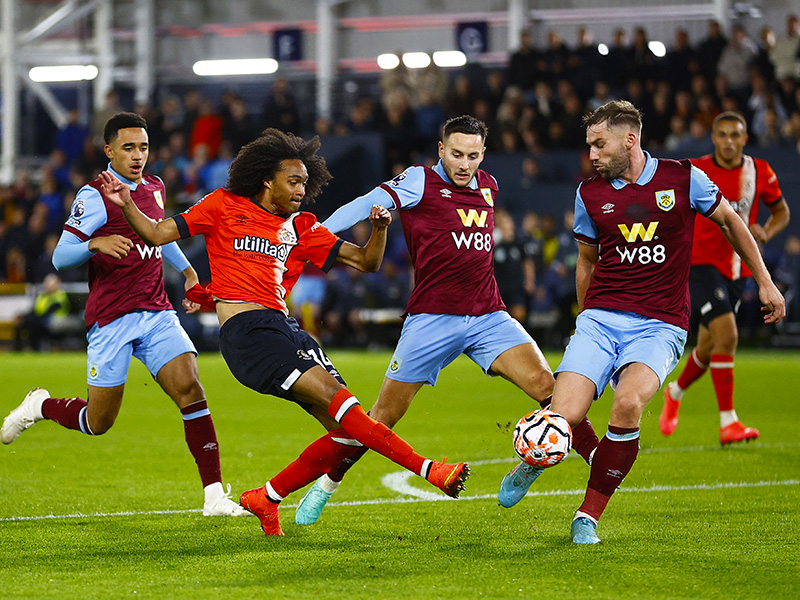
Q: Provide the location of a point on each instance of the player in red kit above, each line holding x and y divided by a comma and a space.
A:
447, 214
718, 277
258, 242
128, 314
634, 223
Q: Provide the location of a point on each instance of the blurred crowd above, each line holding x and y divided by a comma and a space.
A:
533, 106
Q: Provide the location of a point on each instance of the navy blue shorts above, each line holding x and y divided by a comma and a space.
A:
268, 352
713, 294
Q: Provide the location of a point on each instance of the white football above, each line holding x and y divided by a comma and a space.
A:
542, 438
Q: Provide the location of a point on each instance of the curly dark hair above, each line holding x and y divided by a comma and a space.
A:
260, 161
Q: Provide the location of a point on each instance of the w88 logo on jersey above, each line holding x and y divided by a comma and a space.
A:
478, 241
644, 255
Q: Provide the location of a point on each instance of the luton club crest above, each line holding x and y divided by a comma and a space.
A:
665, 199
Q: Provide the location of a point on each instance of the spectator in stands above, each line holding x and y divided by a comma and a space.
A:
111, 106
71, 136
583, 64
206, 129
238, 128
710, 49
428, 115
763, 62
51, 307
764, 100
602, 94
618, 63
513, 269
785, 54
553, 59
736, 60
522, 65
281, 110
461, 97
678, 134
681, 62
165, 121
698, 142
656, 121
645, 63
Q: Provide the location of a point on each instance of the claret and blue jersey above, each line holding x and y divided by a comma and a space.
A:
449, 234
644, 233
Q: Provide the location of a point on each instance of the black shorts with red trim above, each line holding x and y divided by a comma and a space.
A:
268, 352
713, 294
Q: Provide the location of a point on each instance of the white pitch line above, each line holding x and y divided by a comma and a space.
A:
436, 498
400, 479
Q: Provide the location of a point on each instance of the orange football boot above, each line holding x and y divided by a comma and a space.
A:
736, 432
448, 478
256, 502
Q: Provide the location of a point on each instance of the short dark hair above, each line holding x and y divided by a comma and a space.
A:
260, 161
122, 120
616, 112
465, 124
729, 116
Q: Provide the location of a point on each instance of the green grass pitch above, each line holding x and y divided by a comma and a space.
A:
118, 516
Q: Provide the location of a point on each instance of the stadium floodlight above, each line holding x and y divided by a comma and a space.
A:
657, 48
388, 61
416, 60
235, 66
51, 74
449, 58
602, 49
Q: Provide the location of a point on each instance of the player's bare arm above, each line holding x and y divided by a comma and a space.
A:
739, 236
584, 269
776, 222
152, 232
115, 246
368, 259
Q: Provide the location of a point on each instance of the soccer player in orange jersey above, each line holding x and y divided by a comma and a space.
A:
258, 243
718, 276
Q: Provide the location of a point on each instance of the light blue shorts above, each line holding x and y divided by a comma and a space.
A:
430, 342
607, 340
154, 337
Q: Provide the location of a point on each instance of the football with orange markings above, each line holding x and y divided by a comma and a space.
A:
542, 438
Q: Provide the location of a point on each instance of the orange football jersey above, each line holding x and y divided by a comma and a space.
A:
254, 255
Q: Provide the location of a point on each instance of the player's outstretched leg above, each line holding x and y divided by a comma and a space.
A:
668, 420
347, 411
516, 483
263, 503
26, 414
583, 530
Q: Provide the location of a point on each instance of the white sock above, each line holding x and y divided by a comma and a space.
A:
676, 391
328, 484
585, 516
213, 490
726, 417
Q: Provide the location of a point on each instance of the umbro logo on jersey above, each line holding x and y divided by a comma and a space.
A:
446, 193
241, 219
607, 208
